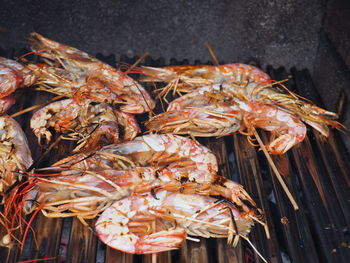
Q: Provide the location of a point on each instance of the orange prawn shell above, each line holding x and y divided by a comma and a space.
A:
127, 224
199, 75
229, 71
95, 80
18, 157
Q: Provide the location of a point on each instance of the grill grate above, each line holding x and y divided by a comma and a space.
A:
315, 172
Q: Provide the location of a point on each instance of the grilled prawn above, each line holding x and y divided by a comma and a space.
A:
81, 75
219, 110
6, 103
87, 184
15, 154
157, 150
92, 125
146, 163
87, 193
187, 78
143, 224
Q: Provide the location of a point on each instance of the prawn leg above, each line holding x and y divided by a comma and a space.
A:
138, 223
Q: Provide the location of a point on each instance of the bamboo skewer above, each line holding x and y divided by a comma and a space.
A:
154, 255
341, 104
211, 51
275, 170
34, 107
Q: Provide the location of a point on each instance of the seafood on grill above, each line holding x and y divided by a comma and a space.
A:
87, 193
88, 183
142, 224
74, 73
80, 178
92, 125
15, 154
187, 78
157, 150
127, 165
222, 109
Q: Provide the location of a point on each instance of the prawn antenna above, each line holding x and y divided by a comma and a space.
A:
35, 52
143, 96
28, 174
39, 259
146, 54
275, 170
279, 82
253, 247
211, 51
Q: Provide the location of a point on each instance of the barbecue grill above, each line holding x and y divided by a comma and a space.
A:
316, 172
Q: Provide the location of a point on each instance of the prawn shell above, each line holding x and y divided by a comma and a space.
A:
92, 78
14, 151
120, 226
166, 149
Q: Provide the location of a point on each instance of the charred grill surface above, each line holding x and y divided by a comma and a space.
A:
315, 171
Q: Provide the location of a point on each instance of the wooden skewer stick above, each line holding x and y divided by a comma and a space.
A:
26, 110
134, 65
34, 107
154, 255
341, 104
193, 239
275, 170
211, 51
154, 258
